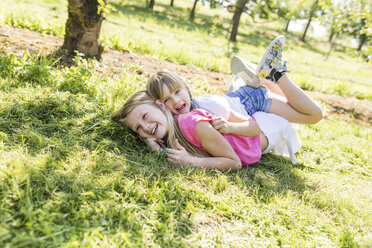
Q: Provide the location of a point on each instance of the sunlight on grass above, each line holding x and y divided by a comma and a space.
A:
166, 33
70, 177
86, 169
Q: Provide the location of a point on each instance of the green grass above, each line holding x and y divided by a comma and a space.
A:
70, 177
166, 33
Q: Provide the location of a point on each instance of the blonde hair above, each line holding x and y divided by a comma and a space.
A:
174, 132
155, 86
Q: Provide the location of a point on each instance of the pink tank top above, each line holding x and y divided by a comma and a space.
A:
248, 149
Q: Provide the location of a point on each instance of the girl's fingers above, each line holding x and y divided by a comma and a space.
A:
179, 147
219, 126
171, 151
215, 121
173, 160
172, 154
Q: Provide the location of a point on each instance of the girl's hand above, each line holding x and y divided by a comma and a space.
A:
154, 143
179, 155
221, 124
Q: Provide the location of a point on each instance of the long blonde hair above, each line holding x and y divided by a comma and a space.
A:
155, 86
142, 97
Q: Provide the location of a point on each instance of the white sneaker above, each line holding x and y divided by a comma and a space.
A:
271, 62
239, 67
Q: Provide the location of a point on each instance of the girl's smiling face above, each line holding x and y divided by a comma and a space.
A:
148, 121
177, 101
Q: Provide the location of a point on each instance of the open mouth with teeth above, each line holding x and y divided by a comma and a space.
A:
153, 131
181, 108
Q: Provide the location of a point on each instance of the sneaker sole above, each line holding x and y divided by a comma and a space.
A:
267, 52
239, 68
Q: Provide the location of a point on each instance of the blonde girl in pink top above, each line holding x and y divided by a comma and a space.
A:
202, 146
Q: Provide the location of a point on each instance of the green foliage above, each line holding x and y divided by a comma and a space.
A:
34, 24
353, 18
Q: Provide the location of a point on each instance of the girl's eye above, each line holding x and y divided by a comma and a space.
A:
178, 91
165, 100
137, 128
144, 116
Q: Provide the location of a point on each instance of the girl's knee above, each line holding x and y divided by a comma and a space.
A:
317, 115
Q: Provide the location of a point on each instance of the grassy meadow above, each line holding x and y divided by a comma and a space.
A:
70, 177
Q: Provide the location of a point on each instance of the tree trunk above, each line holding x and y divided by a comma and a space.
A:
333, 43
171, 3
362, 40
306, 28
83, 28
312, 12
236, 19
287, 25
151, 4
212, 4
192, 13
330, 38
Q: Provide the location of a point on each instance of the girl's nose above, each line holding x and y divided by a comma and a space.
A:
147, 128
176, 101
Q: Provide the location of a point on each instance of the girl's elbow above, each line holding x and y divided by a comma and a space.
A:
237, 164
317, 116
257, 129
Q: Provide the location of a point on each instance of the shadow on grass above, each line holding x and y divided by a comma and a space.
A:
88, 173
61, 124
272, 176
88, 177
98, 175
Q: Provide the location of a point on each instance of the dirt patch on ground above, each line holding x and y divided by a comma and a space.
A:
16, 41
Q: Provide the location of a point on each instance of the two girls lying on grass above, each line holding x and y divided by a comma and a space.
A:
218, 132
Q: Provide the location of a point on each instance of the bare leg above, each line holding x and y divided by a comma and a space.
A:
299, 107
272, 87
267, 83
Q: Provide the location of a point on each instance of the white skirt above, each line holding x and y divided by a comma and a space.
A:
280, 133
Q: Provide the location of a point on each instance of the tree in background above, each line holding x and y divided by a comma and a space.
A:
289, 10
314, 7
171, 3
264, 9
83, 27
360, 22
213, 4
239, 8
151, 4
352, 18
336, 22
316, 10
192, 13
217, 3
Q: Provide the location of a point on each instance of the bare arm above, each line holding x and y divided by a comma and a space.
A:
237, 124
223, 156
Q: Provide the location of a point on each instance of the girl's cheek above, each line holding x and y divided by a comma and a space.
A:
168, 105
